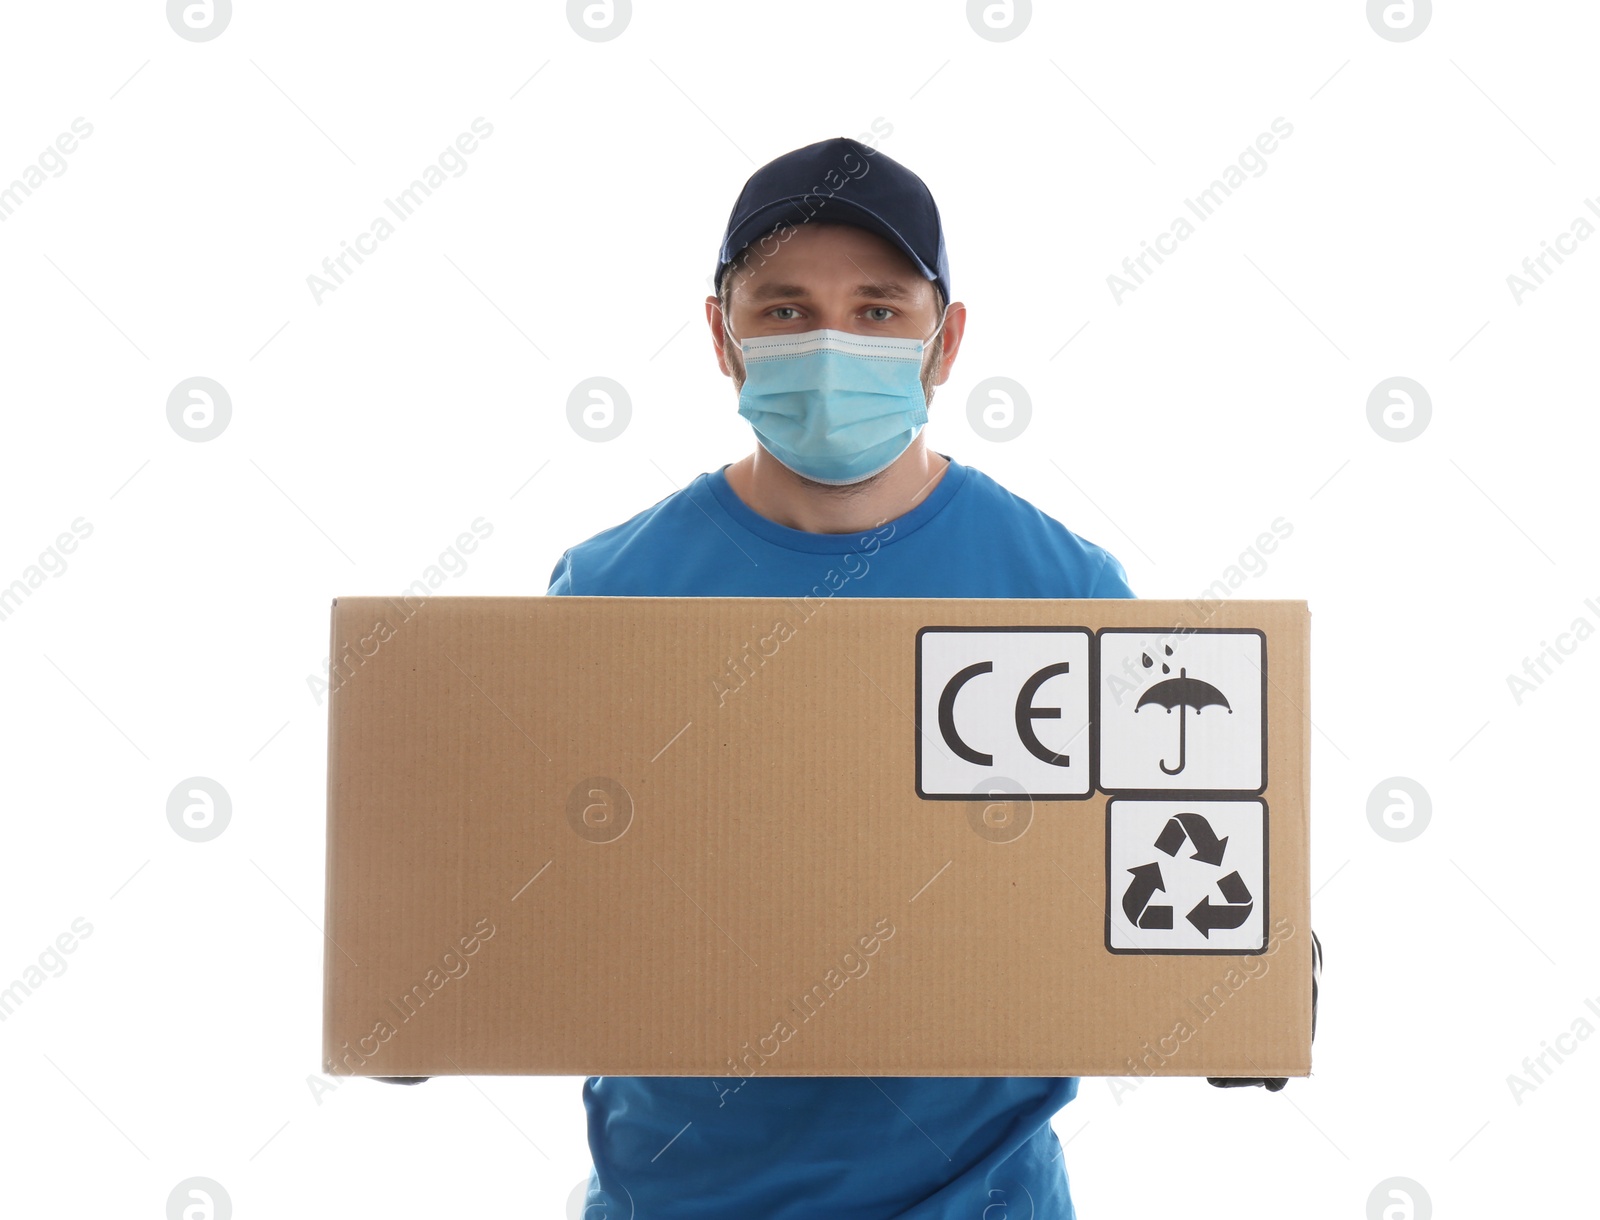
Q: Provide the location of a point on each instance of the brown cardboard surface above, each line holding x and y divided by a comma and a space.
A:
709, 837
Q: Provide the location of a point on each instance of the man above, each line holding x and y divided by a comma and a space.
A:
833, 317
834, 320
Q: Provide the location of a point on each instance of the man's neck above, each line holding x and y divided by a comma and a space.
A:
770, 488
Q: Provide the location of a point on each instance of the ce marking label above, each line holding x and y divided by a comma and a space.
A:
1003, 709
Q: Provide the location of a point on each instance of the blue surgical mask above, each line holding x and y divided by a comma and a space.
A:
834, 406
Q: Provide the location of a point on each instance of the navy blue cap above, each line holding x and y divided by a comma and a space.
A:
844, 180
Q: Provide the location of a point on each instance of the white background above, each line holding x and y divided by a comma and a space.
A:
368, 431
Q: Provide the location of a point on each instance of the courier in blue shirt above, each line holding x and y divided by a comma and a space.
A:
823, 327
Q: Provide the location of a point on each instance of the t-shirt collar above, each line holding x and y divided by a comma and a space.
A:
836, 544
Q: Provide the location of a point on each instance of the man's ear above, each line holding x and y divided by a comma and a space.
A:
955, 326
719, 337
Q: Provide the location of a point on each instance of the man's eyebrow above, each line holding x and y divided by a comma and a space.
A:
887, 290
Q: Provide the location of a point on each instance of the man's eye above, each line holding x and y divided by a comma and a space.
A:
782, 308
880, 309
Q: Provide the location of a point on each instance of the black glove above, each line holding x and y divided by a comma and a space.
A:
401, 1079
1274, 1083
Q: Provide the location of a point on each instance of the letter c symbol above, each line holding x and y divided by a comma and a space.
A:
947, 714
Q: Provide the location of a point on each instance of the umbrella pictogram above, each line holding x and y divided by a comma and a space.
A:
1182, 692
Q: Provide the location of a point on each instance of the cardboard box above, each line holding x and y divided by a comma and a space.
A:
833, 836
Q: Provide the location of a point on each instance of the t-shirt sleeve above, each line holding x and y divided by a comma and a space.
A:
1112, 580
561, 576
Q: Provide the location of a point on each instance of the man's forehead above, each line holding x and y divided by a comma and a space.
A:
795, 260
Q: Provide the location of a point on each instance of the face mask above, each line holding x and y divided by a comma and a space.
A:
834, 406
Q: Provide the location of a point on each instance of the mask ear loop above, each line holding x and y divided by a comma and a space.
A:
738, 344
943, 318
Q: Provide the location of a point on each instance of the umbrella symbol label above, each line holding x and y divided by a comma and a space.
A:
1184, 711
1186, 876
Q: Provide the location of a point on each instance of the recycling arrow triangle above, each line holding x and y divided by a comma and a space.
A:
1136, 899
1207, 915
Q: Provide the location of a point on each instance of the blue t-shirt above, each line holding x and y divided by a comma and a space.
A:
848, 1148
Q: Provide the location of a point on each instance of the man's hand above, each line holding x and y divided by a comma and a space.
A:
1274, 1083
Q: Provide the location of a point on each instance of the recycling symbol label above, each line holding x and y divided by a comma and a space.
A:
1186, 875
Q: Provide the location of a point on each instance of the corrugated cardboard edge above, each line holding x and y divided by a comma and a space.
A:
1305, 804
328, 873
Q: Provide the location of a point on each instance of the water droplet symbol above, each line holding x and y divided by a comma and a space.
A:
1145, 657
